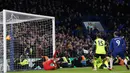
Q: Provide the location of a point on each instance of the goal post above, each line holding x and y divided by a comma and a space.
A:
25, 34
4, 43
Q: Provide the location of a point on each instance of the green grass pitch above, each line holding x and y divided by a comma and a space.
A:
117, 69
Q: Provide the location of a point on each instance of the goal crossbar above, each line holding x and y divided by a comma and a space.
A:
29, 14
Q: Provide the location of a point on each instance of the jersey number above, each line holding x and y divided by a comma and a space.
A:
118, 42
100, 43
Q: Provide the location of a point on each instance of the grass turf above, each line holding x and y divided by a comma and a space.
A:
117, 69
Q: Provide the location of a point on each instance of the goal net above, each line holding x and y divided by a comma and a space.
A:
24, 39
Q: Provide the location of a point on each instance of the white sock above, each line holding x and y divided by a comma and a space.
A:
125, 61
111, 63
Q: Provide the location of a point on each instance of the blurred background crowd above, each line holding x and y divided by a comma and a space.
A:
71, 38
32, 38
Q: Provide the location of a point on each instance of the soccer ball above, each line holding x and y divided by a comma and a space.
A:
8, 37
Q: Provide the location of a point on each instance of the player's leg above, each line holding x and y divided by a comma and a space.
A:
111, 63
94, 64
114, 55
122, 55
95, 61
121, 61
125, 61
99, 61
105, 62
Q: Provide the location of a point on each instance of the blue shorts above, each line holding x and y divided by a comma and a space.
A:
120, 54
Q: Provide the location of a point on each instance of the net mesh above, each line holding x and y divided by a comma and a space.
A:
30, 37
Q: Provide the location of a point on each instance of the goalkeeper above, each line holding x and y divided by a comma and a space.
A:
99, 52
46, 63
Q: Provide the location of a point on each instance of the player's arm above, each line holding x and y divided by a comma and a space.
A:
94, 47
105, 47
124, 45
55, 54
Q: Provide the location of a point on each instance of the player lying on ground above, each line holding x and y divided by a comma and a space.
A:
99, 51
50, 64
21, 63
46, 63
117, 48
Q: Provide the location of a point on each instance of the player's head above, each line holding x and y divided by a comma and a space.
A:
45, 58
116, 33
99, 35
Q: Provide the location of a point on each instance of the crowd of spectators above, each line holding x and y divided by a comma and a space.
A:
113, 15
73, 46
32, 38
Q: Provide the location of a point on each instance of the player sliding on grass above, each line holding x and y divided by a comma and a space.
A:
50, 64
99, 51
117, 48
45, 63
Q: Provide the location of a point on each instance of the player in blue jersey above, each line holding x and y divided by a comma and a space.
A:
117, 48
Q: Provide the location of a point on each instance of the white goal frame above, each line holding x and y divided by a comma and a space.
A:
4, 23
